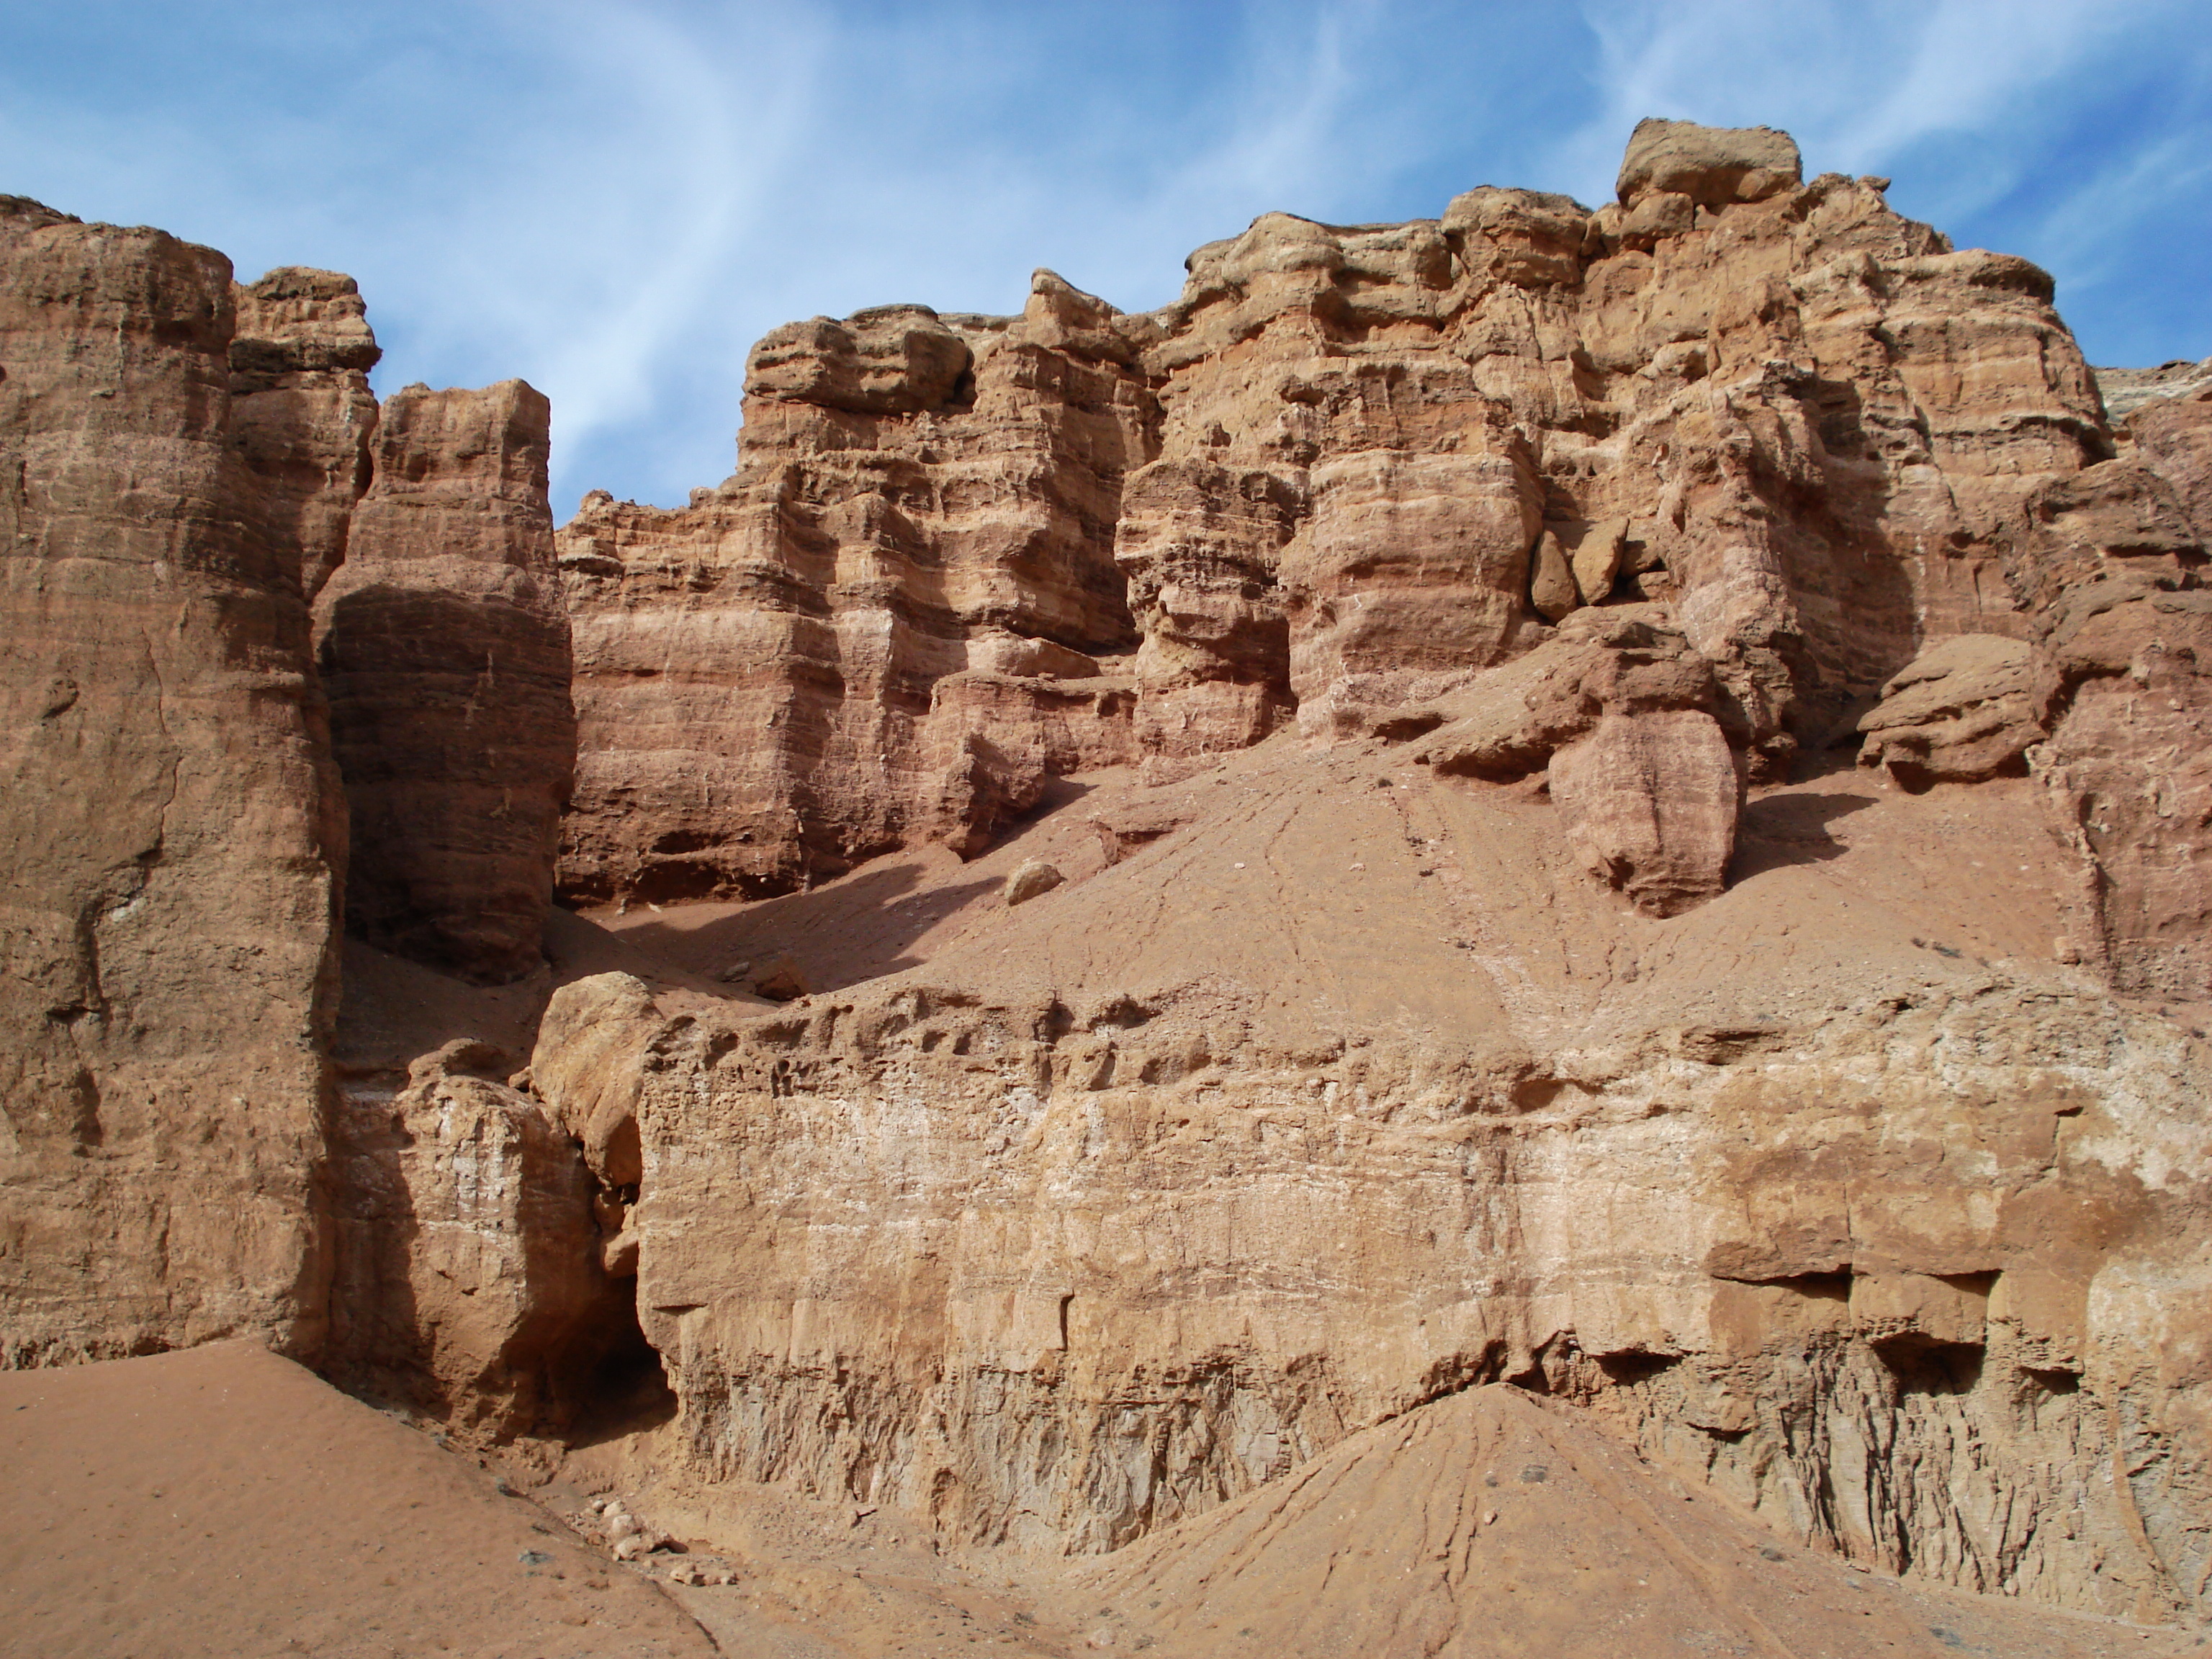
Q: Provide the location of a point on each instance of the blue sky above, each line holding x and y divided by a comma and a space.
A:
614, 199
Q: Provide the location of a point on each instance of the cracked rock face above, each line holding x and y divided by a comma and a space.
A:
170, 831
1441, 940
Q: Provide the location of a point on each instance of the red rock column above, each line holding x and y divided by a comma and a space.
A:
300, 403
170, 829
445, 653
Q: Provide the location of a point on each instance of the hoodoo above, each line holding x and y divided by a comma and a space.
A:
1622, 801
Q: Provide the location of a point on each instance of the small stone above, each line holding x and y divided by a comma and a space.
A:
780, 978
1552, 587
628, 1548
534, 1559
1033, 878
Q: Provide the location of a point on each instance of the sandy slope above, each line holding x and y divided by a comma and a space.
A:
223, 1501
1495, 1522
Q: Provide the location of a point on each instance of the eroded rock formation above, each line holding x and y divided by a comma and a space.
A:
171, 835
899, 600
1468, 957
444, 646
185, 463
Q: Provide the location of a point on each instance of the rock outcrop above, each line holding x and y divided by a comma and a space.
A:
470, 1280
1468, 957
444, 646
1350, 470
172, 837
1126, 1207
1968, 708
302, 410
188, 460
887, 625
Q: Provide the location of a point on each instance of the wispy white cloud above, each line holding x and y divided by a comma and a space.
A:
1858, 84
614, 197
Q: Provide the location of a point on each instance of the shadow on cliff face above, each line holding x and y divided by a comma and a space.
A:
625, 1391
859, 928
1783, 830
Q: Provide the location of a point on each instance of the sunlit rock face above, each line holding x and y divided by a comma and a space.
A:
171, 835
1606, 516
1417, 920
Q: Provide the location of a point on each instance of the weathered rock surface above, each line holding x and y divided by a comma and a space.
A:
885, 626
1714, 167
1494, 1522
2130, 776
1103, 1216
444, 647
470, 1279
2173, 437
1968, 708
171, 833
1648, 804
302, 410
1348, 471
2127, 390
1387, 588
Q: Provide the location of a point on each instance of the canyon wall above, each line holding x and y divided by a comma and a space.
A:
1533, 536
1345, 473
1640, 834
190, 465
172, 834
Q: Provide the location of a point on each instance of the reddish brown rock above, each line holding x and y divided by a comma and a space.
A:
2130, 776
470, 1280
1968, 708
444, 648
1619, 660
2173, 436
896, 599
1329, 474
1648, 803
1713, 166
170, 833
302, 409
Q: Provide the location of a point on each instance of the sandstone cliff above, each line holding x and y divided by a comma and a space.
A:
1608, 801
189, 463
445, 651
172, 837
1133, 1199
885, 625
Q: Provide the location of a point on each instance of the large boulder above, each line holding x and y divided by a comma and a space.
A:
1967, 707
1648, 803
1713, 166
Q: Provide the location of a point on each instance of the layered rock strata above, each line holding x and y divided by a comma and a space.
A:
1348, 470
1190, 1166
190, 462
1829, 1191
444, 646
171, 835
888, 625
